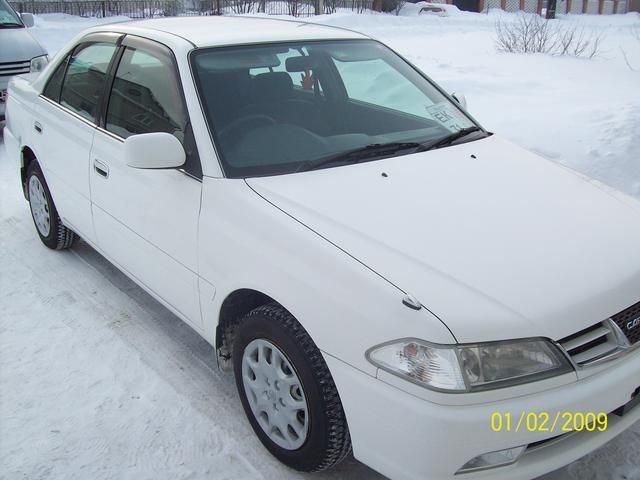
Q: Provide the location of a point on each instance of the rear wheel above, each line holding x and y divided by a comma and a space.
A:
43, 211
287, 391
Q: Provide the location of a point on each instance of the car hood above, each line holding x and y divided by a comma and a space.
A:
494, 240
21, 46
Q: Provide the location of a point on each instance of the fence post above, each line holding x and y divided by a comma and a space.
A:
539, 7
600, 7
319, 7
584, 6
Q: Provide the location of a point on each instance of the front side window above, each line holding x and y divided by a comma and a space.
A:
147, 97
8, 17
282, 108
85, 78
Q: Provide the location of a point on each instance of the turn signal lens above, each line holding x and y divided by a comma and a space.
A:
420, 363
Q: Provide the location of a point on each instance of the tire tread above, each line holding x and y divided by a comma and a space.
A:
339, 440
62, 237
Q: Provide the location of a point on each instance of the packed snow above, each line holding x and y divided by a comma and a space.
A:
99, 381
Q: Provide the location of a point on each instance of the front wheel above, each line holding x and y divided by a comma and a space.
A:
287, 391
45, 216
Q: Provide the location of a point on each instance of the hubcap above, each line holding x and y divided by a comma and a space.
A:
275, 394
39, 206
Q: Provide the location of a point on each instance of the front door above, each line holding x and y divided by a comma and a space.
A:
146, 220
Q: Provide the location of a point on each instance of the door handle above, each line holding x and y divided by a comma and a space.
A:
101, 168
37, 127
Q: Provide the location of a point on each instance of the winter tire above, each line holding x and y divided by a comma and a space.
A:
287, 391
43, 211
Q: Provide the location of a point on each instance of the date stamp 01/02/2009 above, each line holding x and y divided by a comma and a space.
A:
544, 422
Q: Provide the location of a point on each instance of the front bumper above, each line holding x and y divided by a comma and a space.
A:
405, 437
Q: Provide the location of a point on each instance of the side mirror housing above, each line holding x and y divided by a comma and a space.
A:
461, 99
27, 19
154, 150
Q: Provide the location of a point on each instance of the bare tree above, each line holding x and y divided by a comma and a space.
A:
531, 33
330, 6
293, 7
243, 6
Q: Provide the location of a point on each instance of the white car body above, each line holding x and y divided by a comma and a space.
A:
500, 246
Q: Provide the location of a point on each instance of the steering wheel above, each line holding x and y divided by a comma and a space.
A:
248, 122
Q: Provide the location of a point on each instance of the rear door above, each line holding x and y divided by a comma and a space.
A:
66, 117
146, 220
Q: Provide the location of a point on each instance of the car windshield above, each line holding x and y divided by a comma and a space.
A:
283, 108
8, 17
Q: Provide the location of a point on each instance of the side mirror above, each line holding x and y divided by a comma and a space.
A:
154, 150
461, 99
27, 19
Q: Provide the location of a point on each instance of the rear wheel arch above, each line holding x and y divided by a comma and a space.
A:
27, 157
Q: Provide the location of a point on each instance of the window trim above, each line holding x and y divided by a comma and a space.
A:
87, 40
150, 46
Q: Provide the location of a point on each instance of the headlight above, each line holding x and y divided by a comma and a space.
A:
468, 368
38, 63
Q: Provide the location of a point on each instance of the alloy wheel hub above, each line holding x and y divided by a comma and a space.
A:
275, 394
39, 206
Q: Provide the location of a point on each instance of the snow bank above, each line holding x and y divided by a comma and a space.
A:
579, 112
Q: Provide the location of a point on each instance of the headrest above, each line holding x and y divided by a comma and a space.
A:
273, 85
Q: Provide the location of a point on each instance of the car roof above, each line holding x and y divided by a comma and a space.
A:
212, 31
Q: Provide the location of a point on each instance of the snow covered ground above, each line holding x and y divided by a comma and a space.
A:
98, 381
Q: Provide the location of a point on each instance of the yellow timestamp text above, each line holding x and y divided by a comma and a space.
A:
544, 422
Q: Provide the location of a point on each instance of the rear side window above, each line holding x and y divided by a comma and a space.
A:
86, 75
52, 90
147, 97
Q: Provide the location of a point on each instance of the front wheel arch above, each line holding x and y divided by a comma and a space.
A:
233, 309
327, 440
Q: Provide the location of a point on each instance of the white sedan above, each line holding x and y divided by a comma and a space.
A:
381, 273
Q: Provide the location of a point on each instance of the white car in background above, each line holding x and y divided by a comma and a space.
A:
382, 273
20, 53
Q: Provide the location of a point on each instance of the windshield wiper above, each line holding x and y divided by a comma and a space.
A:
375, 150
11, 25
448, 140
